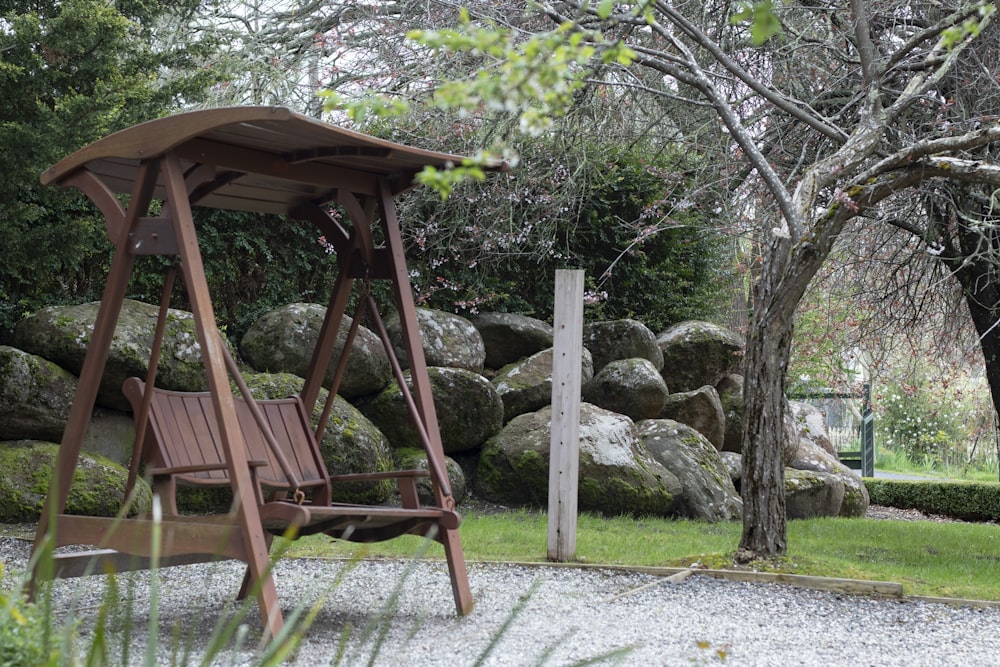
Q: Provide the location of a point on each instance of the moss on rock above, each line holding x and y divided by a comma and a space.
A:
98, 487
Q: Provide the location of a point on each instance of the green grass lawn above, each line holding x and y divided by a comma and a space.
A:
937, 559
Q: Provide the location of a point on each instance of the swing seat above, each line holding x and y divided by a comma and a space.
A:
182, 448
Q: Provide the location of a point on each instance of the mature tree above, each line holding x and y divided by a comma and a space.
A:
819, 111
71, 72
855, 149
915, 283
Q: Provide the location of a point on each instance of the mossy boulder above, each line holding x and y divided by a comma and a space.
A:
616, 473
701, 409
35, 396
707, 490
621, 339
416, 459
448, 340
697, 353
282, 341
810, 423
856, 498
111, 434
469, 410
812, 455
734, 466
509, 337
526, 385
809, 494
98, 484
62, 335
632, 387
730, 390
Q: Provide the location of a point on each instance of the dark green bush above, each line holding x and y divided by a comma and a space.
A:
969, 501
254, 263
621, 213
71, 73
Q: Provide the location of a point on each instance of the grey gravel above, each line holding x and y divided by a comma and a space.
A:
558, 616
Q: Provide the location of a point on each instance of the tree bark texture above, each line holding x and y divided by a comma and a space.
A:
768, 349
785, 274
981, 291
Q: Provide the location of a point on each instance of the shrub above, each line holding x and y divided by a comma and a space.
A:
620, 213
969, 501
254, 263
24, 631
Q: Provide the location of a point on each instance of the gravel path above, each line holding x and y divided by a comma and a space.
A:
560, 616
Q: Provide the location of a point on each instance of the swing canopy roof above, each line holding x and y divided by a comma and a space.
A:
263, 159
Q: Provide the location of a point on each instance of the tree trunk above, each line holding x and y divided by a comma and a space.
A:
785, 274
982, 295
768, 349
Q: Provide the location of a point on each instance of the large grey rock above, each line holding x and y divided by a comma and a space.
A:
621, 339
282, 341
730, 390
631, 387
707, 490
809, 495
811, 425
697, 353
509, 337
111, 434
448, 340
526, 386
35, 396
98, 487
811, 456
416, 459
469, 410
734, 466
62, 334
856, 498
700, 409
617, 475
351, 443
791, 437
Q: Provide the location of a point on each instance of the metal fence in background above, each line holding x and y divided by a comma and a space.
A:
850, 423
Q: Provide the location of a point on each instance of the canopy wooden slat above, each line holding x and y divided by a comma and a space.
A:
267, 160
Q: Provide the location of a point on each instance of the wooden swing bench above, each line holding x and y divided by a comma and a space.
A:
291, 482
266, 160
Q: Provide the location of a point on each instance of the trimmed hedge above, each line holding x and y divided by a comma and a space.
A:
969, 501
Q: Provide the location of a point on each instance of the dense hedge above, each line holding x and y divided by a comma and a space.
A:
969, 501
649, 241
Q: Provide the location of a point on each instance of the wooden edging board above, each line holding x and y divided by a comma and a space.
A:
831, 584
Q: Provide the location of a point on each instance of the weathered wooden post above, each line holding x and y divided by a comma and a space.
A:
564, 446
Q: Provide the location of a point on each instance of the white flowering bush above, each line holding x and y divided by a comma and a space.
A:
936, 423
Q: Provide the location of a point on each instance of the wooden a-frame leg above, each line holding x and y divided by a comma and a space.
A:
457, 570
423, 398
246, 586
97, 352
223, 403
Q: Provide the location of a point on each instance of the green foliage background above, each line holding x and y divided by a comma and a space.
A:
72, 72
75, 71
619, 212
254, 263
